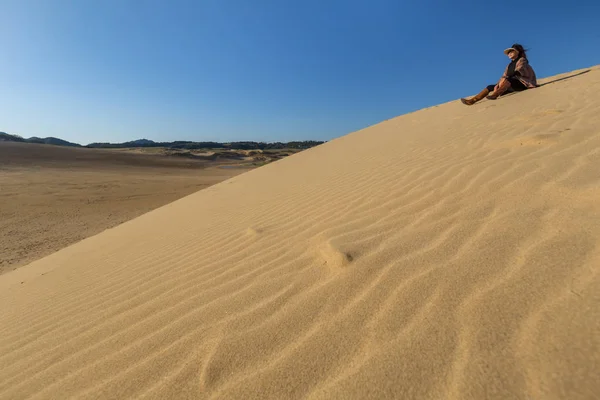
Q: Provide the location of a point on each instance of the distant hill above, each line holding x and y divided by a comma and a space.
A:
5, 137
173, 145
51, 140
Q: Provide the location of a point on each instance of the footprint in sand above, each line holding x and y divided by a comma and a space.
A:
253, 232
332, 256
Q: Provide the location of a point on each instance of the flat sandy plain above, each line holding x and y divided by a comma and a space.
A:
449, 253
51, 196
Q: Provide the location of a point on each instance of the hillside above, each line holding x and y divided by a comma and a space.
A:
449, 253
5, 137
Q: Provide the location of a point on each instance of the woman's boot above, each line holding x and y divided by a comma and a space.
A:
476, 98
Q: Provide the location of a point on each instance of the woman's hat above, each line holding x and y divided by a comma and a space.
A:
506, 51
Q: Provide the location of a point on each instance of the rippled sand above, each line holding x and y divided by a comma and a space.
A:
450, 253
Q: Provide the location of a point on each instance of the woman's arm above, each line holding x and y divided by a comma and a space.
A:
504, 74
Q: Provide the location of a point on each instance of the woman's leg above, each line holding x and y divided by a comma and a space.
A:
478, 96
502, 86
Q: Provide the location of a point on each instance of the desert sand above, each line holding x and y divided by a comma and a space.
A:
449, 253
51, 196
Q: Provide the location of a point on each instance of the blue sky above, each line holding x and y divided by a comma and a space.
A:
264, 70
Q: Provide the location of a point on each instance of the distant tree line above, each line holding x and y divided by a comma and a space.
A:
211, 145
300, 145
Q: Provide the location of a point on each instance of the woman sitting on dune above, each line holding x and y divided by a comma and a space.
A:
518, 76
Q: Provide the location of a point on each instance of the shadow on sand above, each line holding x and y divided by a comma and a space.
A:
566, 77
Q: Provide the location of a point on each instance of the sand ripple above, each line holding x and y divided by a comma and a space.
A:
451, 253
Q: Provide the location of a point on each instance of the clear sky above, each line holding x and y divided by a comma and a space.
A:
264, 70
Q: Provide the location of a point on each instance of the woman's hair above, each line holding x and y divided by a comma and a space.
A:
520, 49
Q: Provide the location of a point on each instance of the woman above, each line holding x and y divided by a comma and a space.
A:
518, 76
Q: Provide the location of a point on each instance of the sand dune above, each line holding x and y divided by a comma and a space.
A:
52, 197
450, 253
